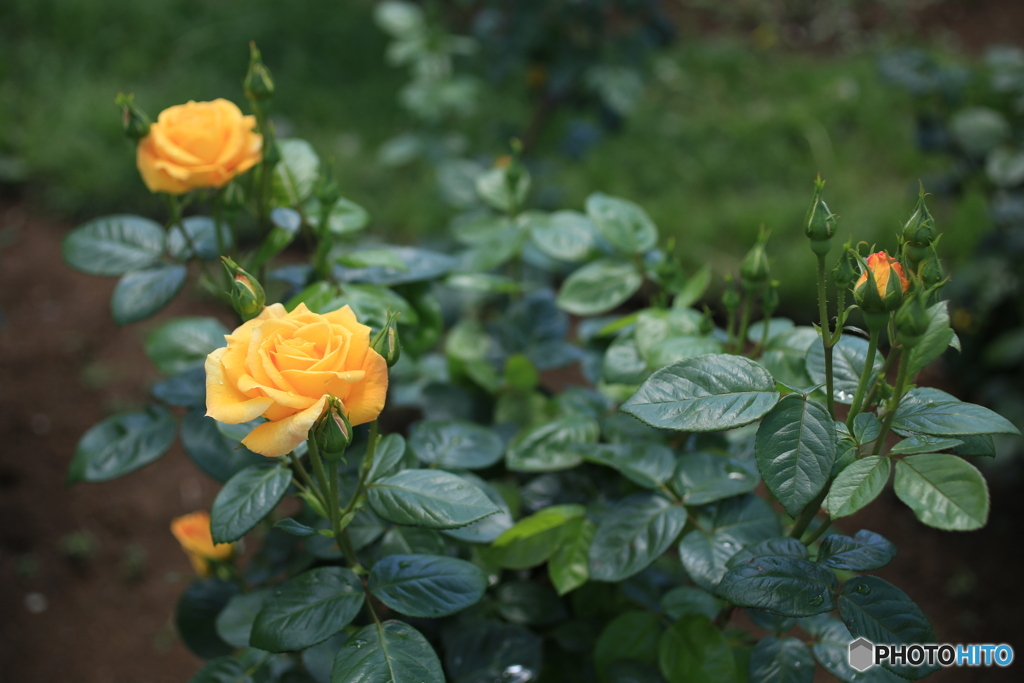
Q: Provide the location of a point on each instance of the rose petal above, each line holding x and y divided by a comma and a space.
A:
278, 438
226, 403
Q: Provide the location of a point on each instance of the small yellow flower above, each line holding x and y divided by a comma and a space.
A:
193, 533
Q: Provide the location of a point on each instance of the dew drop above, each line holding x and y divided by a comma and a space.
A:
404, 565
818, 600
863, 589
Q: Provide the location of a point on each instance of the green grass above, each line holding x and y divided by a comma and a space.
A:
725, 140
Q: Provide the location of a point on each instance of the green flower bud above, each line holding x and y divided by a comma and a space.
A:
919, 231
730, 297
820, 224
912, 319
247, 295
386, 341
333, 431
133, 120
847, 269
258, 84
931, 271
327, 191
770, 299
754, 270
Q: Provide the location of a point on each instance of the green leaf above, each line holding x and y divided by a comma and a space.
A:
479, 651
634, 533
622, 363
950, 418
391, 652
862, 552
494, 188
786, 585
411, 540
208, 447
919, 443
234, 623
936, 339
781, 660
307, 609
490, 527
201, 235
774, 547
646, 464
429, 498
795, 448
866, 428
857, 485
723, 529
184, 343
407, 265
386, 457
683, 600
599, 287
704, 394
533, 540
296, 528
141, 293
296, 174
657, 326
345, 217
246, 499
196, 614
186, 389
428, 586
553, 445
455, 444
563, 235
832, 650
848, 358
675, 349
694, 289
695, 650
529, 603
976, 444
944, 491
625, 225
570, 566
286, 223
630, 636
785, 355
114, 245
705, 477
122, 444
879, 611
222, 670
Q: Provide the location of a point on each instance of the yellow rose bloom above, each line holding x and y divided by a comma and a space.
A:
283, 366
193, 533
198, 144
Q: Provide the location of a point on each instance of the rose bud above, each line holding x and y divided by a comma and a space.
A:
912, 319
386, 342
847, 268
770, 299
918, 233
258, 84
135, 122
820, 224
193, 533
333, 431
881, 286
730, 297
754, 270
247, 295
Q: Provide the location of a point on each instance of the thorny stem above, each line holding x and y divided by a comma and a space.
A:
826, 335
902, 377
894, 355
865, 377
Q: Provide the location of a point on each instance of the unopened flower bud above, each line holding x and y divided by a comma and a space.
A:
386, 341
327, 191
847, 268
133, 120
918, 233
820, 224
754, 270
707, 322
333, 431
770, 298
247, 295
730, 297
258, 84
881, 286
912, 319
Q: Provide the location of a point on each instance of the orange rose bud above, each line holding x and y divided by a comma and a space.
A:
285, 366
193, 533
881, 285
197, 145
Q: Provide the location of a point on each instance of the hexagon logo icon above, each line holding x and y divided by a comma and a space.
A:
862, 654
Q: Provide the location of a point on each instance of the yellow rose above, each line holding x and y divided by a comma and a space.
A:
193, 533
283, 366
199, 144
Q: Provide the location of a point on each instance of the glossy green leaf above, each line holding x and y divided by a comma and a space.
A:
141, 293
781, 660
122, 444
644, 463
848, 358
307, 609
455, 444
481, 651
625, 225
795, 448
634, 533
429, 498
114, 245
921, 443
708, 393
693, 649
201, 240
554, 445
296, 528
785, 356
786, 585
209, 448
936, 339
246, 499
234, 623
950, 418
879, 611
386, 457
184, 343
774, 547
569, 567
832, 650
490, 527
186, 389
196, 614
857, 485
630, 636
411, 540
296, 174
429, 586
404, 265
622, 363
862, 552
866, 428
599, 287
705, 477
344, 218
389, 652
222, 670
533, 540
563, 235
683, 600
944, 491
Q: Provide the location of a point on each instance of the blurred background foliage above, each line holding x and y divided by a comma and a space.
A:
713, 116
